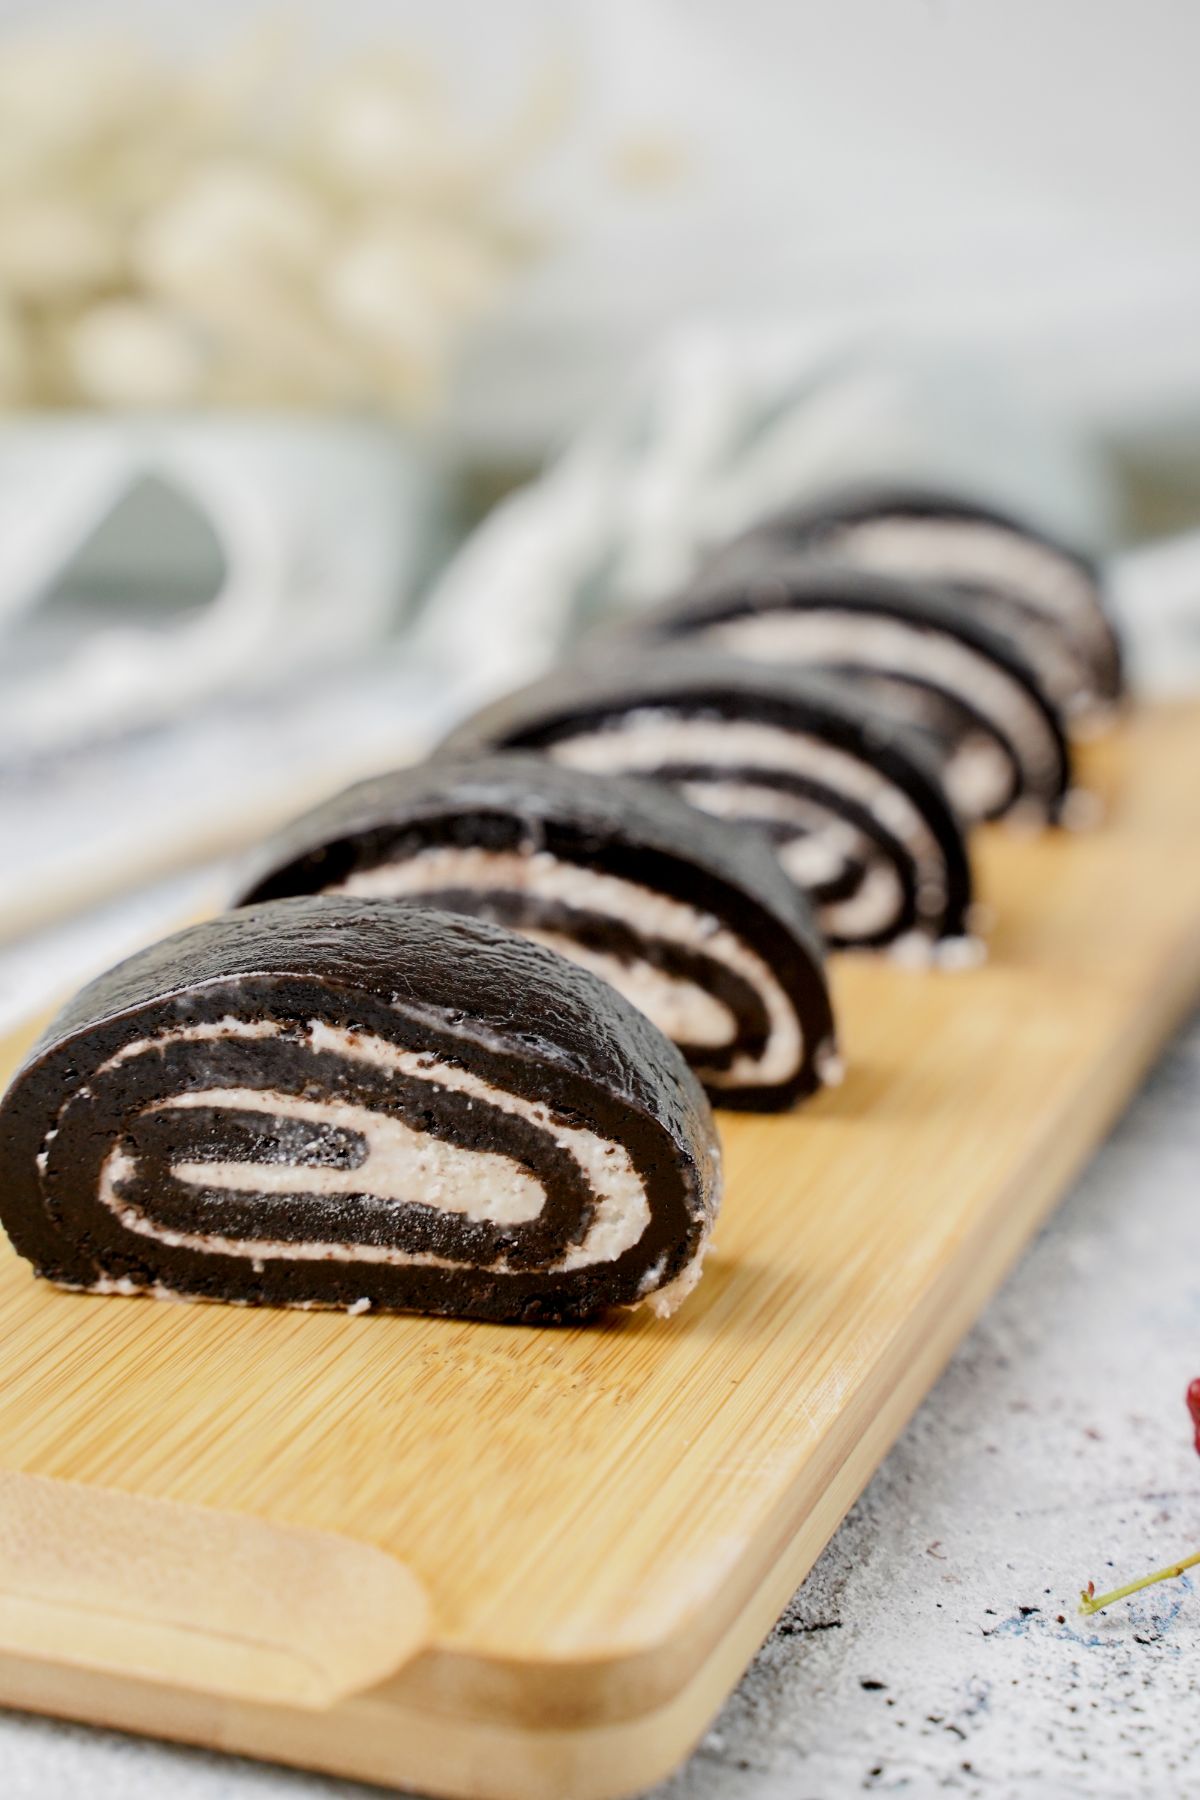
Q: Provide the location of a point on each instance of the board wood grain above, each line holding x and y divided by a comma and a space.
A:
604, 1522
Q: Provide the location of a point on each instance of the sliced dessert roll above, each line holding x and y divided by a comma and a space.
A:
927, 652
692, 920
1047, 595
331, 1102
848, 796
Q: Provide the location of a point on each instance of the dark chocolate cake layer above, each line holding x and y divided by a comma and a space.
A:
850, 798
330, 1102
692, 920
927, 652
1047, 594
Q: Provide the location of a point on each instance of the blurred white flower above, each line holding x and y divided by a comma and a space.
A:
61, 95
227, 235
373, 277
130, 353
226, 216
383, 127
52, 249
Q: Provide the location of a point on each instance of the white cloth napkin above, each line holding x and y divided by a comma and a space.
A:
720, 428
321, 528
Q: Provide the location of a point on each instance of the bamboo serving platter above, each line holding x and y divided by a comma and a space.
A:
528, 1565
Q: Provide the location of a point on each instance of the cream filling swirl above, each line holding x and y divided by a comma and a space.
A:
650, 738
682, 1008
401, 1162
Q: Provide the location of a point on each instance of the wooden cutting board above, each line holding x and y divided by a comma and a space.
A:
498, 1562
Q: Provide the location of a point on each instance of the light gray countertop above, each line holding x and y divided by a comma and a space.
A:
936, 1645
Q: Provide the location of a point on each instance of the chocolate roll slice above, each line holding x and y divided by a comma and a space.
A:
690, 919
849, 796
1046, 594
332, 1102
926, 652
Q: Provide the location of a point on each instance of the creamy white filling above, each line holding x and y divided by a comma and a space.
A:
829, 841
119, 1168
663, 1301
216, 1030
682, 1009
870, 909
401, 1162
647, 739
974, 550
621, 1212
895, 647
827, 846
977, 776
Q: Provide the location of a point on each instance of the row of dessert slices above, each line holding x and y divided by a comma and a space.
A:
444, 1054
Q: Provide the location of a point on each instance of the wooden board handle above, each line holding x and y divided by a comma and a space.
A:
195, 1597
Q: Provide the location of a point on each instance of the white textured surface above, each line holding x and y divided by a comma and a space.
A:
925, 1653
